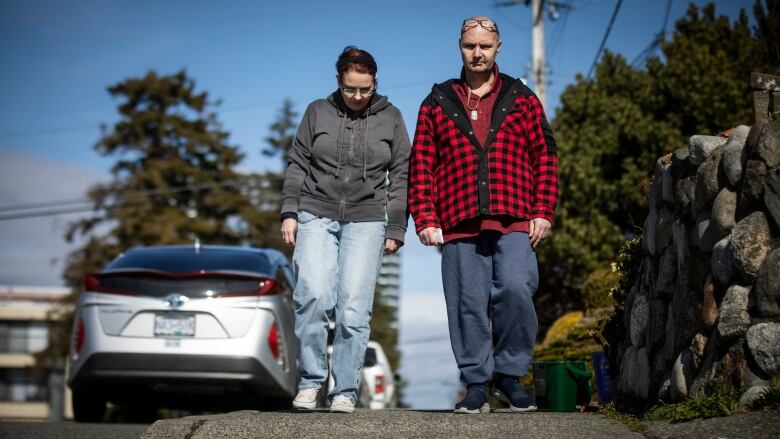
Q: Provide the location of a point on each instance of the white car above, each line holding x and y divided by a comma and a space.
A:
376, 385
184, 327
377, 382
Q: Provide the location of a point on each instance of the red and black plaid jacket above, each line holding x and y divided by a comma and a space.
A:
453, 178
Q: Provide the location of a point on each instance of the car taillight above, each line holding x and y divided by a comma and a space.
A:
275, 344
273, 341
269, 287
379, 384
92, 283
265, 287
80, 334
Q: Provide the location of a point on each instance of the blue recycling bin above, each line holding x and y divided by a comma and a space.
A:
605, 386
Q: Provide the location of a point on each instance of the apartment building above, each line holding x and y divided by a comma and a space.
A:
389, 283
26, 314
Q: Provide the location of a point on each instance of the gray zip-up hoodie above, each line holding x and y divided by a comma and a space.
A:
350, 167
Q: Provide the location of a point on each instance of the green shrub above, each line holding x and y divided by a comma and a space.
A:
723, 402
597, 290
611, 328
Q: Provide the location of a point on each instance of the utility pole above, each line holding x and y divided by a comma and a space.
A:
538, 63
537, 40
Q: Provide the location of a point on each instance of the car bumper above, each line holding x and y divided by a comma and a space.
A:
172, 373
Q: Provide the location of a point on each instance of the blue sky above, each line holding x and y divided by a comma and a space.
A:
59, 57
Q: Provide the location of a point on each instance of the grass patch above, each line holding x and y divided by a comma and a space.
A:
723, 402
632, 422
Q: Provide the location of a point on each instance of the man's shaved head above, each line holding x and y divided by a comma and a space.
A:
479, 44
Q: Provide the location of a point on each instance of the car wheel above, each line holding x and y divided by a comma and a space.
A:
267, 404
142, 414
88, 406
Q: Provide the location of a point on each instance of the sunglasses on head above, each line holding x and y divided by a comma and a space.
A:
471, 23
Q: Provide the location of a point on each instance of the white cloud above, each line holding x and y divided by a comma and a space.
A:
32, 250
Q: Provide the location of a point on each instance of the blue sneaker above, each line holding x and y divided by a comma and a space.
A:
476, 400
508, 389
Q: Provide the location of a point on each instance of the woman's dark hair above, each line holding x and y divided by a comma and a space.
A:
359, 60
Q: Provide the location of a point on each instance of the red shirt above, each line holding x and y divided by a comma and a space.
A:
474, 226
484, 105
481, 126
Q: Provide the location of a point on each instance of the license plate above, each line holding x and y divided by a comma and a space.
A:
176, 325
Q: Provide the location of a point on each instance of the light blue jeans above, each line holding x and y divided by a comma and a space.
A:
336, 264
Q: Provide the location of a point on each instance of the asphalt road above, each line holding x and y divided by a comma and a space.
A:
69, 430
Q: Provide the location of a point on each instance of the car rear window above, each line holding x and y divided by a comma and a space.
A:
370, 359
187, 260
196, 287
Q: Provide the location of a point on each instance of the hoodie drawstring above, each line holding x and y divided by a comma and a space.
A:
365, 142
340, 143
360, 139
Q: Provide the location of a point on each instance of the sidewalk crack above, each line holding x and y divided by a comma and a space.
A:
194, 428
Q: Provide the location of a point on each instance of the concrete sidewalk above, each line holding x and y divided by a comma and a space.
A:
390, 423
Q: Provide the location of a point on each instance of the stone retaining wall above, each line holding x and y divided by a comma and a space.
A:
705, 307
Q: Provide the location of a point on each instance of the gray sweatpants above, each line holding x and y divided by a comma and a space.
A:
492, 275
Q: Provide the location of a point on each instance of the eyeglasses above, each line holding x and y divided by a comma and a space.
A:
352, 92
488, 25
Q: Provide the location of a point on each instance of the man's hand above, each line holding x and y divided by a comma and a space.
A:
289, 229
391, 246
538, 230
428, 236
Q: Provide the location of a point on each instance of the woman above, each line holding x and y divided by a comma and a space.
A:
343, 204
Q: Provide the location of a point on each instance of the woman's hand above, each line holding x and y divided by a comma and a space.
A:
289, 229
391, 246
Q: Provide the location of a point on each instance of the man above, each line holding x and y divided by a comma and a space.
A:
483, 169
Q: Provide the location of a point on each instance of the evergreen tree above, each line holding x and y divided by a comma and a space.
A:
173, 181
282, 133
174, 178
269, 197
612, 129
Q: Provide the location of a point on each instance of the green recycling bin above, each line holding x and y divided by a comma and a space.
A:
560, 385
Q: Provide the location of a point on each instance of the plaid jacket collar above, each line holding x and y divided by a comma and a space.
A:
444, 95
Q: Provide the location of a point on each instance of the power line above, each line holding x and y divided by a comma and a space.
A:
659, 37
509, 20
604, 40
55, 212
44, 204
15, 214
75, 128
584, 111
560, 29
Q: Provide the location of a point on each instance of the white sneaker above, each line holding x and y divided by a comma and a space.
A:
342, 404
306, 398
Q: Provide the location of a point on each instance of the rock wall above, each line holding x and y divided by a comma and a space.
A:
705, 307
